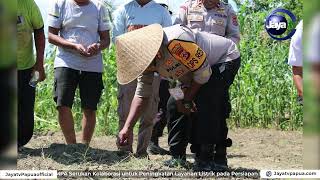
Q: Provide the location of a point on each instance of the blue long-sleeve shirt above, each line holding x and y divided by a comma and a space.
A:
132, 16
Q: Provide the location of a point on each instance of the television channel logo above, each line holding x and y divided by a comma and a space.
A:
276, 24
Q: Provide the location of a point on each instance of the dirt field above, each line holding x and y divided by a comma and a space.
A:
252, 149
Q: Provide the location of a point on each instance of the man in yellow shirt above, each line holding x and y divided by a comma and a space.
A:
29, 20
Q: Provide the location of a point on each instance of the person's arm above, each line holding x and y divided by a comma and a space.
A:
119, 23
189, 95
39, 38
55, 39
297, 79
95, 48
55, 21
103, 30
200, 77
40, 44
167, 21
295, 59
138, 105
233, 29
104, 39
192, 91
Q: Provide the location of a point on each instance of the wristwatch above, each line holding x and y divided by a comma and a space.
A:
187, 104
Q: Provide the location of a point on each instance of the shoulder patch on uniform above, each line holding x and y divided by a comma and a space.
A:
183, 7
234, 20
188, 53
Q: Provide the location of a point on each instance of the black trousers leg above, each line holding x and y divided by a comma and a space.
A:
179, 130
7, 105
214, 107
26, 99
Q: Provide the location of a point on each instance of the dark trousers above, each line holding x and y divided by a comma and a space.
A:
179, 130
214, 107
7, 105
26, 98
209, 122
160, 119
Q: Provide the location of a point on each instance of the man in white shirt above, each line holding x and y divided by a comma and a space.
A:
214, 17
80, 29
295, 60
128, 17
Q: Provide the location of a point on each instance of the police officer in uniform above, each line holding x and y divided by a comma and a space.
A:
204, 63
210, 16
218, 18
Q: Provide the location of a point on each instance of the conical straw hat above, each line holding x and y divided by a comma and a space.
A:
136, 50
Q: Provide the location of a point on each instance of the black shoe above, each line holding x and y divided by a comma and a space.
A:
155, 149
175, 162
220, 157
221, 163
200, 165
142, 155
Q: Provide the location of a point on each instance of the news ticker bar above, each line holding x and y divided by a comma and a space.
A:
254, 174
